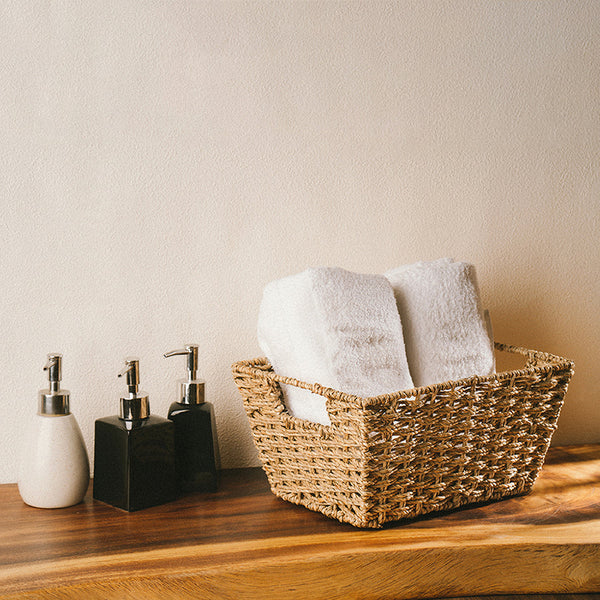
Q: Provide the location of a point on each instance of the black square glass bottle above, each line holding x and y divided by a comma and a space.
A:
196, 448
134, 455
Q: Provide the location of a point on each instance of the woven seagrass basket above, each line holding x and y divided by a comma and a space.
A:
409, 453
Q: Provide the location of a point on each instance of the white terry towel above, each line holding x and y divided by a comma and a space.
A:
336, 328
445, 329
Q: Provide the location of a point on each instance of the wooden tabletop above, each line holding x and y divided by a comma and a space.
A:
244, 543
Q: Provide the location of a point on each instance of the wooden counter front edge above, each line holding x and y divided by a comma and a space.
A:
319, 569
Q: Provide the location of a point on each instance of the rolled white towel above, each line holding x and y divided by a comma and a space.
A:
445, 329
336, 328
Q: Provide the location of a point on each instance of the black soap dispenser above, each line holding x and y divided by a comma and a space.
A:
134, 452
196, 449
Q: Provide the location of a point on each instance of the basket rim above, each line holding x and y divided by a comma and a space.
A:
261, 367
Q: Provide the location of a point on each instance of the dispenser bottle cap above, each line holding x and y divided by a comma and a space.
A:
190, 390
135, 405
54, 401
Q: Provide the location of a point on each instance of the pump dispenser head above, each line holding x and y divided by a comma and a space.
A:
135, 405
54, 401
190, 390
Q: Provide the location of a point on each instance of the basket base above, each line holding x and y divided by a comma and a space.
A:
347, 514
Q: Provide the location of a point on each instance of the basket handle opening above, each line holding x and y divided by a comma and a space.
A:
329, 395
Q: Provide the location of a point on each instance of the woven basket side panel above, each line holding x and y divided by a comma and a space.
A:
412, 453
418, 453
468, 443
321, 468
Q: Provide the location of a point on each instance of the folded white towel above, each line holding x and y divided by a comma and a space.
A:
445, 330
336, 328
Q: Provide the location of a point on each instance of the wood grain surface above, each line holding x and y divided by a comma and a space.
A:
244, 543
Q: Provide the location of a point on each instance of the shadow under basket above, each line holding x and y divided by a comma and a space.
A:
401, 455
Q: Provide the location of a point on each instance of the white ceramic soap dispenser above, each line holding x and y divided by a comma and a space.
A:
54, 470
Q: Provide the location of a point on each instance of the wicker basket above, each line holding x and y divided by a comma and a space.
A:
412, 452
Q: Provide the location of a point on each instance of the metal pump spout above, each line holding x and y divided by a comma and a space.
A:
132, 371
191, 351
54, 368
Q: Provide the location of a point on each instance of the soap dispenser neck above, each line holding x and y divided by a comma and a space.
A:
135, 406
54, 401
190, 391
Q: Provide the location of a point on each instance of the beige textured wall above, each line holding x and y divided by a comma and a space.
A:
162, 160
